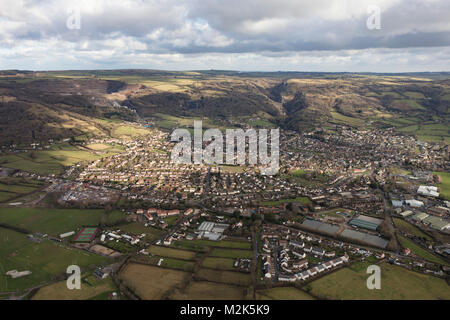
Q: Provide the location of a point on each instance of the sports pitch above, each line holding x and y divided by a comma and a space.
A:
86, 235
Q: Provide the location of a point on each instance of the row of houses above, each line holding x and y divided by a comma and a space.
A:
312, 272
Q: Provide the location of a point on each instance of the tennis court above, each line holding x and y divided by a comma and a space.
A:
86, 235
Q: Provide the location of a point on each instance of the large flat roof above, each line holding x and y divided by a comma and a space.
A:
365, 237
320, 226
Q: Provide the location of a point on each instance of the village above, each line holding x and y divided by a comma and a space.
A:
338, 200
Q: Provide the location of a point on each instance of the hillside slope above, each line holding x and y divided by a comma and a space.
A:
44, 105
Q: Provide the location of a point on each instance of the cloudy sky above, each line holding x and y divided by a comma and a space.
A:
264, 35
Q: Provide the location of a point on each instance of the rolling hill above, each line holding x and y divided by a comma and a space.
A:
37, 106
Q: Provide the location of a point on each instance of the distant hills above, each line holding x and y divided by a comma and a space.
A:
37, 106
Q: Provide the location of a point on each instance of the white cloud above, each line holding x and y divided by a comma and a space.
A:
236, 34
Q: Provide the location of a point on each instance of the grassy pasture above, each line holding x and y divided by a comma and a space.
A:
124, 131
261, 123
445, 184
203, 290
45, 260
115, 216
51, 221
407, 104
189, 245
16, 187
408, 227
177, 264
397, 283
137, 228
340, 118
91, 288
171, 253
232, 253
419, 251
218, 263
48, 161
230, 277
414, 95
166, 121
171, 263
283, 293
434, 132
5, 196
302, 200
98, 146
200, 243
149, 282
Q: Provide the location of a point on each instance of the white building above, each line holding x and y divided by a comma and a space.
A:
67, 234
428, 191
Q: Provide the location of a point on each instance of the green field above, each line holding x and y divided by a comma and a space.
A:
51, 221
236, 278
150, 282
16, 187
136, 228
342, 119
171, 253
204, 290
445, 185
432, 132
91, 288
302, 200
261, 123
283, 293
189, 245
166, 121
414, 95
408, 227
172, 263
120, 246
218, 263
46, 162
419, 251
171, 220
19, 186
53, 160
105, 147
230, 253
397, 283
126, 131
178, 264
332, 213
45, 260
114, 217
199, 244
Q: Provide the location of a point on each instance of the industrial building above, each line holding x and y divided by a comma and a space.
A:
211, 230
428, 191
366, 222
